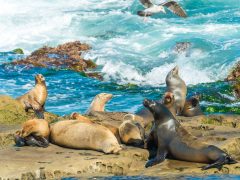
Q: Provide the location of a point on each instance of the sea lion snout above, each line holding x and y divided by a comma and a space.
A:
148, 103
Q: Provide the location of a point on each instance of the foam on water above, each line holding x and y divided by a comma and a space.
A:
127, 49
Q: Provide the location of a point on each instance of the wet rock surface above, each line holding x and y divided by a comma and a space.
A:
64, 56
55, 162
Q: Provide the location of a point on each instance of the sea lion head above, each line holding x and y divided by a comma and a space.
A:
105, 97
158, 110
39, 78
168, 98
192, 102
172, 73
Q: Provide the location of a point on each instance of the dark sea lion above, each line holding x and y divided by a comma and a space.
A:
168, 100
178, 87
174, 141
35, 132
35, 99
192, 107
99, 102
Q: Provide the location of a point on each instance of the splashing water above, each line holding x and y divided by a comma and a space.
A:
127, 49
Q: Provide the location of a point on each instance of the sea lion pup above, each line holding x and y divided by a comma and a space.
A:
174, 141
131, 131
80, 135
81, 118
192, 107
35, 132
178, 87
99, 102
35, 99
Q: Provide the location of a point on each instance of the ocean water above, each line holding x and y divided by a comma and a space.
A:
133, 55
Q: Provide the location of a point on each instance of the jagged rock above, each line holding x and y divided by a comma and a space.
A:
64, 56
234, 76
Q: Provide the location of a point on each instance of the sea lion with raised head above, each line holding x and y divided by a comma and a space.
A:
168, 100
99, 102
178, 87
174, 141
35, 99
80, 135
192, 107
35, 132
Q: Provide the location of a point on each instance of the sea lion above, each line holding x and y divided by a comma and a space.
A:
80, 135
81, 118
192, 107
112, 128
178, 87
35, 99
131, 131
174, 141
99, 102
168, 100
35, 132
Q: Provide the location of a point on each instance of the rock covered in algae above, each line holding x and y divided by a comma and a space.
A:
13, 113
64, 56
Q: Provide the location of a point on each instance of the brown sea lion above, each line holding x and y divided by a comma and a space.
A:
80, 135
178, 87
35, 99
169, 101
174, 141
192, 107
132, 131
35, 132
99, 102
112, 128
80, 117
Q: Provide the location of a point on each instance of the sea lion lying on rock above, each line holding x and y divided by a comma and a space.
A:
192, 107
81, 135
35, 132
178, 87
99, 102
174, 141
132, 132
112, 128
35, 99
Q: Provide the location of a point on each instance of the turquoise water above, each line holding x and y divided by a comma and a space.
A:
127, 50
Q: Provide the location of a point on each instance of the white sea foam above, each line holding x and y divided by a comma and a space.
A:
128, 49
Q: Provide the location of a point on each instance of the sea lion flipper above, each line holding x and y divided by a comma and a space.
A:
37, 141
161, 156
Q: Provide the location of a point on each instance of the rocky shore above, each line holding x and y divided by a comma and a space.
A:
66, 56
56, 162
